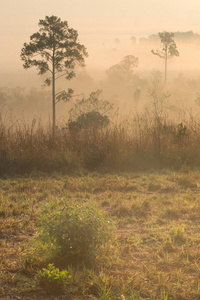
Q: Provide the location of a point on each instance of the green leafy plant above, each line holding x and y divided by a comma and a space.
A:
53, 280
75, 232
178, 233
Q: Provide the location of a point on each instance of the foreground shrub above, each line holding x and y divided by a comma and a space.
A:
75, 233
53, 280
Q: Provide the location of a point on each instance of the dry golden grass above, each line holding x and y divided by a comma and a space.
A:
143, 143
155, 252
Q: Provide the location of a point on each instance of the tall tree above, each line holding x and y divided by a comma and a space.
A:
54, 49
124, 71
169, 48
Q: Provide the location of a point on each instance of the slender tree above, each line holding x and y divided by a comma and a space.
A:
169, 48
54, 49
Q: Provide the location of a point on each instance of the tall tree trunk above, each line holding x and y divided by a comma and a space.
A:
165, 70
166, 50
53, 96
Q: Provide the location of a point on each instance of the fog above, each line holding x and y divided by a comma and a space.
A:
22, 93
110, 32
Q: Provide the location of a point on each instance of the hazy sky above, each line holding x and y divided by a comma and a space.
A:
97, 21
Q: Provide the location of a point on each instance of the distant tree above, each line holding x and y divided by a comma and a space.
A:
187, 37
169, 48
133, 40
124, 70
117, 41
158, 96
54, 49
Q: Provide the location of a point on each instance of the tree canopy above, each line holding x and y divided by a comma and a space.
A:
124, 70
169, 48
54, 49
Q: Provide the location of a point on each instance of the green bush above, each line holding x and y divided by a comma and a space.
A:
53, 280
75, 232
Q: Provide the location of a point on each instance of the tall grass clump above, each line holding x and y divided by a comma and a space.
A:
24, 149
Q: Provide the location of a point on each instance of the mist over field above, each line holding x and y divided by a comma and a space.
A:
23, 95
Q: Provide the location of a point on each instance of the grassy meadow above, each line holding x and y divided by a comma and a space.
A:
101, 213
154, 250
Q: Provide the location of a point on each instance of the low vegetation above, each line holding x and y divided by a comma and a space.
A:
52, 280
148, 243
142, 143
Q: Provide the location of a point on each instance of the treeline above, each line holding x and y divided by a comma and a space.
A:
188, 37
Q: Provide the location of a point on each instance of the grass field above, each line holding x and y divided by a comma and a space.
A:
155, 250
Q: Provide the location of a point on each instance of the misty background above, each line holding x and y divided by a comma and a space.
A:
110, 31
